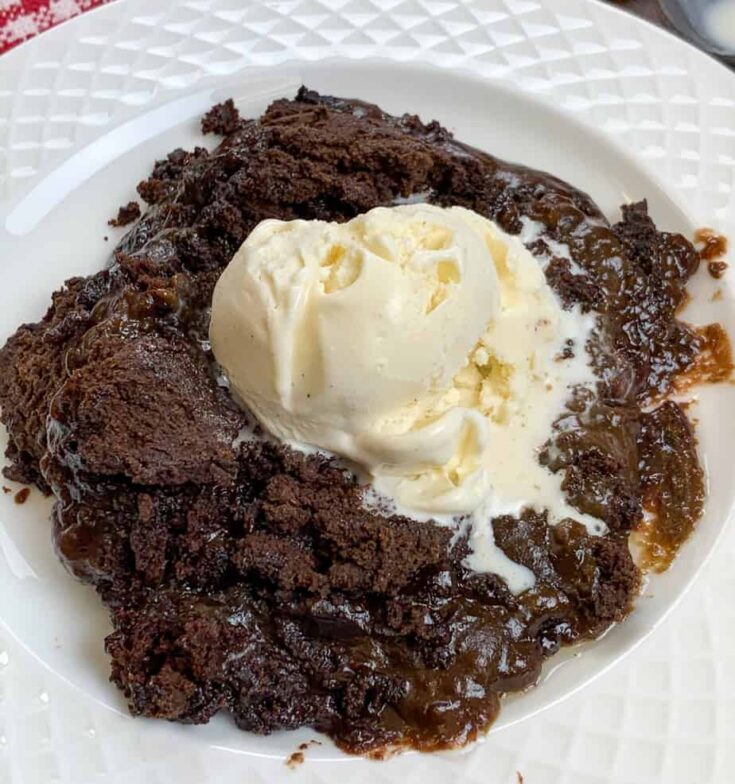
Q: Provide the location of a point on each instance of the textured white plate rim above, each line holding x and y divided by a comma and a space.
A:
59, 31
501, 84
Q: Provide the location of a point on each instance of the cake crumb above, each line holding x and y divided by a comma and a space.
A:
126, 214
22, 495
519, 776
6, 490
296, 759
567, 352
717, 296
717, 269
222, 119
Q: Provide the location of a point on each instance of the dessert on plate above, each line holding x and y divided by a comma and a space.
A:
361, 425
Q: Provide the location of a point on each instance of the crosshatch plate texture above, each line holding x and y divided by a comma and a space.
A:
612, 104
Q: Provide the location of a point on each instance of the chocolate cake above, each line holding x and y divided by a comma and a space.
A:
242, 576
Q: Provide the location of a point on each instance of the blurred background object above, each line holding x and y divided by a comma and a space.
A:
22, 19
648, 9
709, 24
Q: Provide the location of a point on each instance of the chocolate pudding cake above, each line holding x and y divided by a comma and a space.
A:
246, 576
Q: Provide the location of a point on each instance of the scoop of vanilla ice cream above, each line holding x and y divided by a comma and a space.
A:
334, 334
422, 343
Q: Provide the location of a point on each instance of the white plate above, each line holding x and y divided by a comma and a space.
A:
615, 106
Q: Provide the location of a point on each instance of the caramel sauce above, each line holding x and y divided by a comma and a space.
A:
654, 542
714, 245
714, 363
674, 498
673, 486
713, 248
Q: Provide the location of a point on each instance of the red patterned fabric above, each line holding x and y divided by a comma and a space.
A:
22, 19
